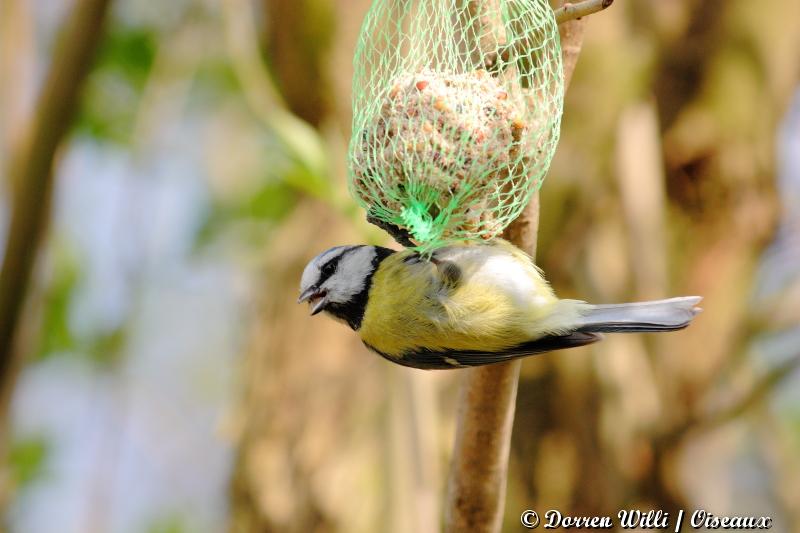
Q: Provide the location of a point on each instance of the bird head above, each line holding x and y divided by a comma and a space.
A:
337, 281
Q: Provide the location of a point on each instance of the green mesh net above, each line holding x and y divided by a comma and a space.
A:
457, 106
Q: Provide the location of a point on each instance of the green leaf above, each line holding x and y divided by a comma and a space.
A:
271, 203
116, 84
305, 146
56, 335
106, 348
171, 524
27, 459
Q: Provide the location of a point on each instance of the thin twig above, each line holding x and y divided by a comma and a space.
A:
760, 390
754, 396
570, 11
703, 422
571, 33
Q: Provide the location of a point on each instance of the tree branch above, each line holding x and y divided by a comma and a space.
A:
478, 474
477, 482
31, 169
571, 11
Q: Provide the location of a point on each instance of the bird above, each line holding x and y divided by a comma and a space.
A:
466, 304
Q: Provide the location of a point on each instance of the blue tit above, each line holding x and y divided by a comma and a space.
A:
466, 305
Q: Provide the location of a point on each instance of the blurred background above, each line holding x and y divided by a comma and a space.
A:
165, 381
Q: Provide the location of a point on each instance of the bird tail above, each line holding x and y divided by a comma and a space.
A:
657, 315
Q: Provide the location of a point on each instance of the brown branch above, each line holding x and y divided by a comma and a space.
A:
570, 11
477, 482
31, 170
478, 474
17, 52
571, 33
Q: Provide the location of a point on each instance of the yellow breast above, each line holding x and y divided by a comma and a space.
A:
407, 311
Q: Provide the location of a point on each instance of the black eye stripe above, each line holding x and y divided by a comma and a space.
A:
329, 268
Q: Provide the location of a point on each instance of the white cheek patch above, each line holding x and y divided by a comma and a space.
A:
351, 274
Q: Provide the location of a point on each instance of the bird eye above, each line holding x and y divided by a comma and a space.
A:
328, 269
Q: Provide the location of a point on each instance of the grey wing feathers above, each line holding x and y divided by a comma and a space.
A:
658, 315
654, 316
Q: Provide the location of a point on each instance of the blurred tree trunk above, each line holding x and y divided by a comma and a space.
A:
272, 485
18, 63
298, 36
31, 183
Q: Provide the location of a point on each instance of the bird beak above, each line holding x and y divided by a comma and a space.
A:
307, 294
317, 298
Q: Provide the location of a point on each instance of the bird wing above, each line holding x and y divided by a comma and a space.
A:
449, 359
469, 299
